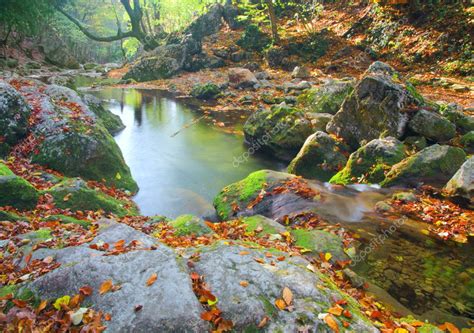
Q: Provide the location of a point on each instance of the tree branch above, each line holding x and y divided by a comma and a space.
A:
120, 35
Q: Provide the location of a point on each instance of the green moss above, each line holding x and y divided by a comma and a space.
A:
253, 39
68, 220
325, 99
15, 191
270, 309
467, 140
11, 217
206, 91
319, 241
110, 121
190, 225
240, 192
254, 222
80, 197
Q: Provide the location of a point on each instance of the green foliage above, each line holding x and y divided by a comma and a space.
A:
253, 39
24, 16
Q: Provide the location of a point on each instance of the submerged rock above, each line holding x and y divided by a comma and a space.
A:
14, 114
320, 157
15, 191
370, 162
377, 106
224, 268
432, 126
326, 99
281, 131
434, 165
462, 183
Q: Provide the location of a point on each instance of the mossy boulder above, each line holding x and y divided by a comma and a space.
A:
15, 191
14, 114
319, 120
11, 217
320, 241
320, 157
376, 107
262, 225
185, 225
326, 99
432, 126
32, 65
206, 91
253, 39
464, 123
434, 165
74, 194
90, 66
75, 143
462, 183
467, 141
233, 200
110, 121
281, 131
369, 163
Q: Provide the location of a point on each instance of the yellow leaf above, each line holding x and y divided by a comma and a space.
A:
287, 296
60, 301
400, 330
118, 176
212, 302
331, 322
327, 256
244, 284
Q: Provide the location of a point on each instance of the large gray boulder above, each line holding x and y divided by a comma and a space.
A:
434, 166
369, 163
155, 67
281, 131
327, 98
168, 305
432, 126
376, 106
462, 183
241, 78
14, 114
320, 158
224, 268
110, 121
70, 138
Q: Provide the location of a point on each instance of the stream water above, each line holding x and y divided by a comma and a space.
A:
181, 161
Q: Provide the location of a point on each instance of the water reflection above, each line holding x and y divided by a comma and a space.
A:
179, 163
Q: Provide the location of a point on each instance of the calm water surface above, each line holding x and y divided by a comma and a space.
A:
179, 161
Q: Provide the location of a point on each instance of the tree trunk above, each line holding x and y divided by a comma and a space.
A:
273, 21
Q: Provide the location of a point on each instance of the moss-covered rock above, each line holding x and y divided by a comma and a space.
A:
32, 65
432, 126
253, 39
262, 225
240, 193
185, 225
15, 191
76, 195
206, 91
370, 162
281, 131
464, 123
320, 157
68, 220
320, 241
467, 141
434, 165
326, 99
90, 66
14, 114
110, 121
11, 217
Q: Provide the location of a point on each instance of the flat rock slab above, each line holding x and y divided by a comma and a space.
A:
223, 268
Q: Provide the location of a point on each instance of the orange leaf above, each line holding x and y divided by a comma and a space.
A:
259, 260
280, 304
331, 322
263, 322
152, 279
41, 307
105, 287
19, 303
207, 316
287, 296
450, 327
336, 310
86, 290
194, 276
244, 283
107, 317
119, 244
244, 253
